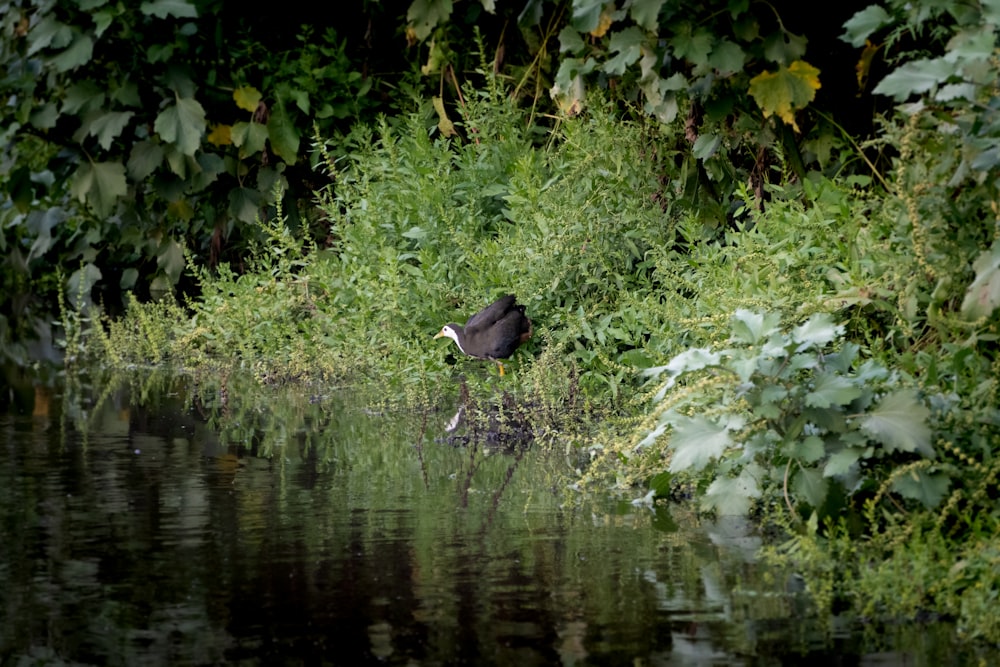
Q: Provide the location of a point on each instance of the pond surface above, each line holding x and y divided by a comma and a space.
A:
171, 522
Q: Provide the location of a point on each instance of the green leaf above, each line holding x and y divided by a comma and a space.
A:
696, 441
784, 92
841, 462
163, 8
283, 135
82, 96
626, 45
917, 76
81, 282
79, 53
244, 204
751, 328
182, 124
899, 422
860, 27
693, 46
100, 184
570, 41
170, 258
831, 389
129, 278
817, 331
808, 450
728, 496
983, 296
727, 57
784, 47
48, 32
921, 485
587, 15
250, 138
107, 125
145, 157
45, 118
810, 484
706, 145
646, 13
424, 15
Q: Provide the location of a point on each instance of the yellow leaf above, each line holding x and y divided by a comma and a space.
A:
603, 24
784, 92
445, 125
247, 98
221, 135
865, 63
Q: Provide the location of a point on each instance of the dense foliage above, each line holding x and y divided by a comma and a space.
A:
801, 340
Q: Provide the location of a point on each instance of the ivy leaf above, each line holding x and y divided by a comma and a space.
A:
810, 484
646, 13
920, 485
983, 296
784, 47
729, 496
249, 138
48, 32
751, 328
45, 118
283, 135
82, 96
832, 389
899, 422
170, 258
817, 331
627, 45
808, 450
727, 57
860, 27
587, 15
917, 76
145, 157
693, 46
163, 8
785, 91
100, 184
79, 53
696, 441
182, 124
244, 203
247, 98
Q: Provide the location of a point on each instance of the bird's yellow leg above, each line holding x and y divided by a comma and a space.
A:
500, 366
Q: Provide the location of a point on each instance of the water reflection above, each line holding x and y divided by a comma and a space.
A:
179, 524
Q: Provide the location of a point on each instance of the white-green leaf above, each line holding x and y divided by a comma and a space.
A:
917, 76
625, 45
841, 462
81, 282
817, 331
164, 8
79, 53
728, 496
696, 441
170, 258
861, 26
810, 485
983, 295
921, 485
899, 422
751, 328
832, 389
646, 13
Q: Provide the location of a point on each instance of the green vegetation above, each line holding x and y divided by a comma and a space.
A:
802, 329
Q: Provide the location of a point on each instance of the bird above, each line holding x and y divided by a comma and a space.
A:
493, 333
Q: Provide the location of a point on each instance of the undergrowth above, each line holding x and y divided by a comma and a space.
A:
817, 361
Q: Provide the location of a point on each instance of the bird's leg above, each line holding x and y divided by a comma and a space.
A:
500, 366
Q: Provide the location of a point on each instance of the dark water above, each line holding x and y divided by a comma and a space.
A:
170, 522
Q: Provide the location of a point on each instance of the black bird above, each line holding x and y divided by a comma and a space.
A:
493, 333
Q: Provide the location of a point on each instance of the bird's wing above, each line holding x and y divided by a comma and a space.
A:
490, 315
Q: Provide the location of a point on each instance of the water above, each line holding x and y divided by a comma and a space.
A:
172, 522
